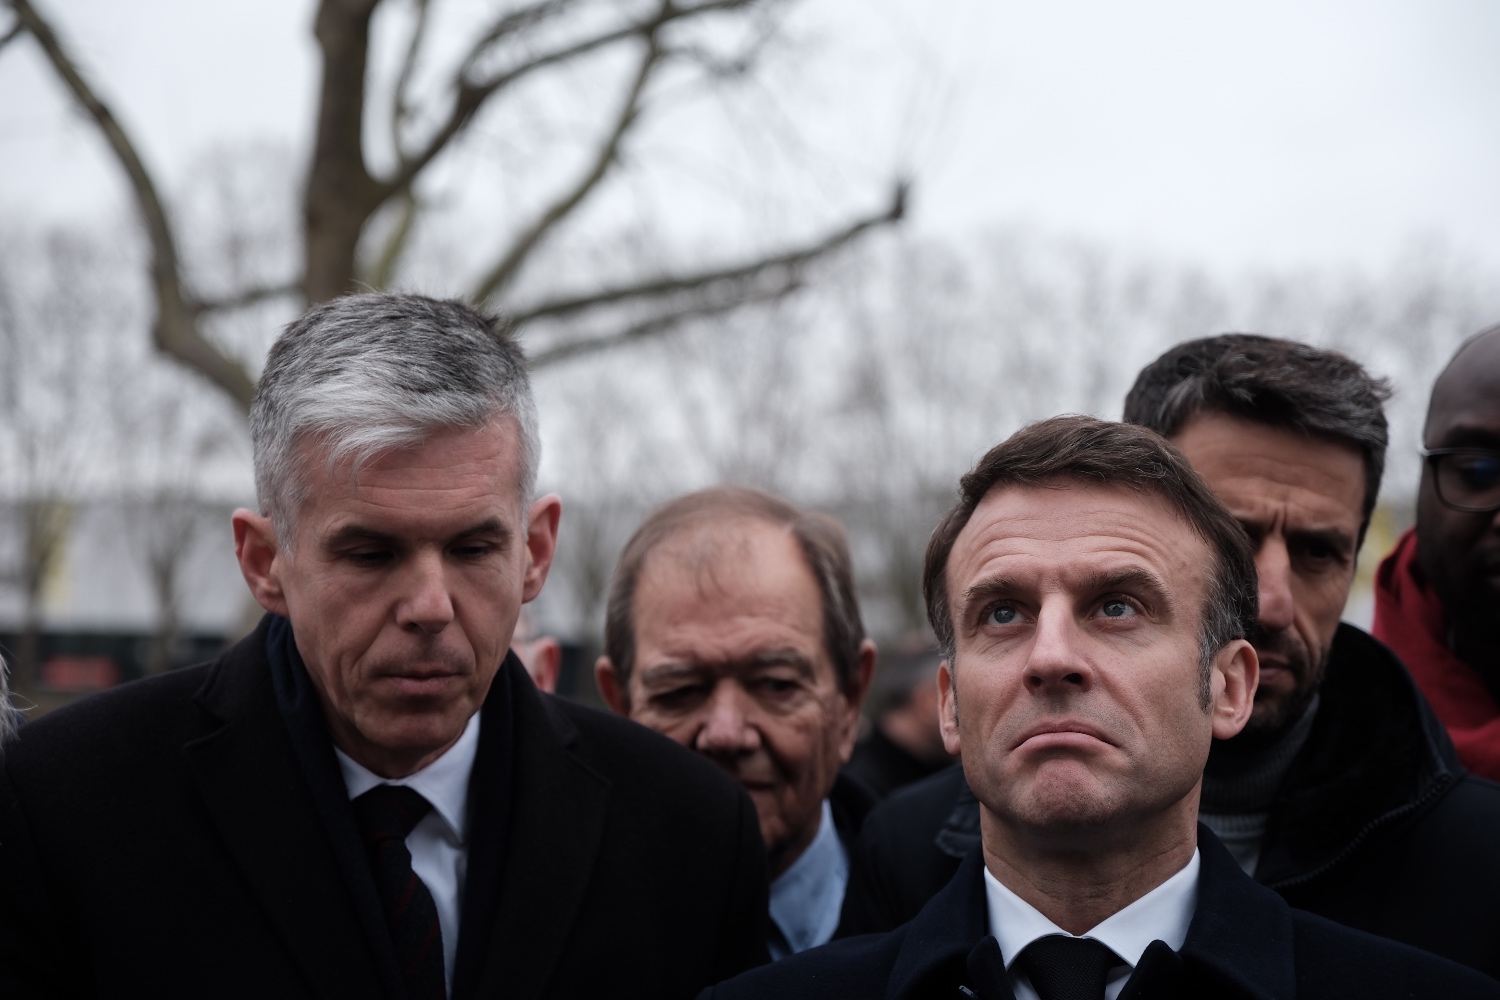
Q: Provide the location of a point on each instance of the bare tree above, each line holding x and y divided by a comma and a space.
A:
429, 109
51, 321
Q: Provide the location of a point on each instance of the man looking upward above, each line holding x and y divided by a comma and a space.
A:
1091, 597
1342, 793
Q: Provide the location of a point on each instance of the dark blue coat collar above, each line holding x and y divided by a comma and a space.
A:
1240, 937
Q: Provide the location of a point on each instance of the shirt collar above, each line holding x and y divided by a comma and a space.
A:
807, 897
444, 782
1162, 914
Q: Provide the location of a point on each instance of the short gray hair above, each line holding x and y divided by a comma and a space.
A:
374, 372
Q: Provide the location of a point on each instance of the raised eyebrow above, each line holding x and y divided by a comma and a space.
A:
1135, 580
987, 590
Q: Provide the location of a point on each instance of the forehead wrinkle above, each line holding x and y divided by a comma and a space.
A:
704, 548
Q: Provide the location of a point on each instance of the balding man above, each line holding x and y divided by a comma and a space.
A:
1437, 598
733, 628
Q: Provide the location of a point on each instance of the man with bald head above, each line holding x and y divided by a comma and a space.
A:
1438, 593
734, 629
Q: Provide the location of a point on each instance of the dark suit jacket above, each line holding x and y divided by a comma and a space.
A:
164, 840
1376, 826
1243, 942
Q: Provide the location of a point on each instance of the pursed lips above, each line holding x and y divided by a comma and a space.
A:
1063, 732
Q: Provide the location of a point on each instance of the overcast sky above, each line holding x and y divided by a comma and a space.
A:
1270, 134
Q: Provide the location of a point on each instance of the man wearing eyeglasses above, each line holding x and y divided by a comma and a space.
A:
1437, 600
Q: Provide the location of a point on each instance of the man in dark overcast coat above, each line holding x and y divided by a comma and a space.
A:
1343, 793
1091, 597
367, 797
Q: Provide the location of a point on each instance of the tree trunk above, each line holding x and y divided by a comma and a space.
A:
341, 195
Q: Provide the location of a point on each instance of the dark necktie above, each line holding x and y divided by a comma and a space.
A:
1067, 968
386, 815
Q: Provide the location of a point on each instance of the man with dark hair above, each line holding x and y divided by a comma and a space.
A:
1437, 595
1342, 793
367, 797
733, 628
1091, 598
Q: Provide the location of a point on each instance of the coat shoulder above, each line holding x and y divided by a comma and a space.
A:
105, 729
1334, 960
856, 968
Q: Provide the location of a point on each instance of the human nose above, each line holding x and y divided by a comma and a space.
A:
425, 606
1273, 570
1057, 662
727, 729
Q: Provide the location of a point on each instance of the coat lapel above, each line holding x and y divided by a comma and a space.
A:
556, 826
248, 776
1240, 940
939, 939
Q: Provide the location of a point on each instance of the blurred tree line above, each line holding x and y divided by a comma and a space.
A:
857, 370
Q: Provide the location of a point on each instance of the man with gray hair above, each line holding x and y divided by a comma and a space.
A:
367, 796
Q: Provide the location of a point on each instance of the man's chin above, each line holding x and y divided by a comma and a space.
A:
1270, 720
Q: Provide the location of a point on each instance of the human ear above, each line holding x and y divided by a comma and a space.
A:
1236, 673
541, 542
259, 556
948, 708
608, 681
854, 697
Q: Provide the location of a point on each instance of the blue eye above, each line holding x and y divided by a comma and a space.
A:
1116, 609
1002, 616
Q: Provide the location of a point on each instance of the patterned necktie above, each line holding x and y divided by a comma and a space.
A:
386, 815
1067, 968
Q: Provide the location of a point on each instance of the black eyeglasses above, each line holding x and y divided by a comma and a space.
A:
1467, 479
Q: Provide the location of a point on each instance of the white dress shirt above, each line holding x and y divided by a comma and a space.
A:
807, 898
1162, 914
439, 843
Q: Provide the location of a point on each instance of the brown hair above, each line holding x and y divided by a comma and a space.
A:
821, 539
1098, 452
1279, 383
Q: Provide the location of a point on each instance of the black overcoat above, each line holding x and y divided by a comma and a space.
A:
163, 840
1244, 943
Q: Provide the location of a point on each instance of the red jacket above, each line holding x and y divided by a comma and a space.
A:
1410, 619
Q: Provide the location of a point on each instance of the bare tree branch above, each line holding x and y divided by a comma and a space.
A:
501, 274
340, 195
396, 242
664, 322
400, 107
12, 34
471, 96
791, 262
174, 330
246, 298
510, 23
